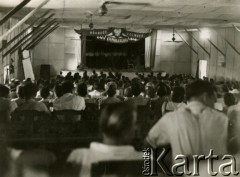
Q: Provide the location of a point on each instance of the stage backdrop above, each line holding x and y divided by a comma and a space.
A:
103, 54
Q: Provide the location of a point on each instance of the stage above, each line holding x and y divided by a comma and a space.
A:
128, 73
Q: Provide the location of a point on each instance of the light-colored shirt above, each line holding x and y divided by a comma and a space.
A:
194, 129
101, 152
95, 94
69, 102
7, 105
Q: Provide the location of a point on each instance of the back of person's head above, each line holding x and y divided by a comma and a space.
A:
4, 91
67, 87
45, 92
136, 89
30, 90
128, 92
202, 91
82, 89
20, 91
112, 89
58, 90
117, 122
178, 94
163, 90
229, 99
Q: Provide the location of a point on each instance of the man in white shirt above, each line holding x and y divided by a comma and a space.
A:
117, 123
69, 101
194, 129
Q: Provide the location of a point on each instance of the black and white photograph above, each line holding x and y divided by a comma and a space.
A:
119, 88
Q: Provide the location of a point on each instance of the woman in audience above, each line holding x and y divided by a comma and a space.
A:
117, 123
229, 100
163, 93
30, 92
111, 95
177, 101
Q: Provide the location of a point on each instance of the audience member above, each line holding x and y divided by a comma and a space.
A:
30, 92
6, 106
117, 123
68, 101
195, 129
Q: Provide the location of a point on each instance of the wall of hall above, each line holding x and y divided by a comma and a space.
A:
5, 61
58, 50
219, 67
174, 58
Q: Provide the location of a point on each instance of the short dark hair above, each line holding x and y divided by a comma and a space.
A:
136, 89
67, 87
197, 88
20, 91
82, 89
163, 90
229, 99
58, 90
4, 91
112, 89
117, 126
30, 90
178, 94
45, 92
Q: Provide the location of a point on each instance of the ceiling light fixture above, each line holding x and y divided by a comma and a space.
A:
205, 34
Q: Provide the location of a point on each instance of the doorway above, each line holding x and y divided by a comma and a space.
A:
202, 68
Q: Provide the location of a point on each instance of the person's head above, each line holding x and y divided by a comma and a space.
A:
30, 90
178, 94
117, 123
20, 91
4, 91
45, 92
136, 89
229, 99
112, 89
82, 89
202, 91
96, 85
67, 87
150, 90
128, 92
58, 90
163, 90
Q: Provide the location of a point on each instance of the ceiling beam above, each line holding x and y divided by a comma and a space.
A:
42, 32
24, 19
23, 31
13, 11
215, 46
197, 42
41, 38
187, 43
28, 36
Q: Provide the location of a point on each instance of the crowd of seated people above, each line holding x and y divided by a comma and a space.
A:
191, 115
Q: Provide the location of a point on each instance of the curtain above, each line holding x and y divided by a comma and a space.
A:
147, 51
153, 48
83, 50
78, 50
150, 49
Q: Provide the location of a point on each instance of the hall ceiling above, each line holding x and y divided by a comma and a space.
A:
161, 13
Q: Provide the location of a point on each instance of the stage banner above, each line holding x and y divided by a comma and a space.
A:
147, 51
